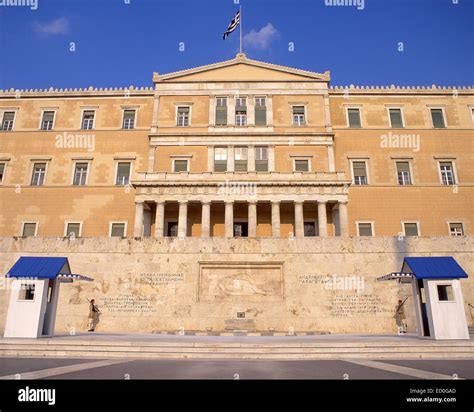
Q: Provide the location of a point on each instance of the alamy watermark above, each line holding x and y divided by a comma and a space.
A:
237, 188
75, 141
359, 4
405, 141
32, 4
335, 282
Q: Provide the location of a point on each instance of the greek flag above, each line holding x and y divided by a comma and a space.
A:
233, 25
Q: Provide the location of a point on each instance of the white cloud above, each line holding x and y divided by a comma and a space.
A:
58, 26
261, 39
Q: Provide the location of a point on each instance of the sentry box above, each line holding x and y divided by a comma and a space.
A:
437, 295
34, 295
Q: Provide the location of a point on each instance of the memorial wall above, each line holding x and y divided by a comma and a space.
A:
228, 285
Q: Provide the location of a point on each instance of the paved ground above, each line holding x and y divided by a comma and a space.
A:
33, 368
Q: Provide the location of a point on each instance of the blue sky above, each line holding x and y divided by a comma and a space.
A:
119, 44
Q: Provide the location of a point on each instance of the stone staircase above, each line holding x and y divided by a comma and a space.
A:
232, 349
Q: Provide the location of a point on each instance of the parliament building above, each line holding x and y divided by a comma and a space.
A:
240, 196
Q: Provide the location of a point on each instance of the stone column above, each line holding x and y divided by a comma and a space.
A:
231, 111
271, 158
183, 219
159, 219
269, 110
250, 110
299, 220
151, 158
331, 162
229, 219
252, 218
276, 219
230, 158
206, 219
251, 158
212, 111
322, 219
138, 228
210, 158
343, 221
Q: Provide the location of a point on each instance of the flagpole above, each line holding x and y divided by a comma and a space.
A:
240, 24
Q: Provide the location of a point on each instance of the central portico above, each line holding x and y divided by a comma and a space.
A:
224, 161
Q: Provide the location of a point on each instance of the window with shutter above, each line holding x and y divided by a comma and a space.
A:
47, 121
221, 111
447, 173
180, 165
129, 119
261, 159
7, 122
183, 116
298, 115
117, 230
360, 173
220, 159
123, 173
240, 159
411, 229
80, 174
301, 165
396, 120
73, 229
29, 229
353, 116
88, 119
456, 229
39, 172
438, 118
365, 229
260, 111
403, 173
2, 172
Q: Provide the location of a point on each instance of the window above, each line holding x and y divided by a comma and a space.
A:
445, 293
437, 116
240, 159
396, 120
29, 229
241, 111
39, 173
183, 116
410, 229
261, 159
403, 173
73, 229
447, 173
309, 229
241, 229
298, 116
359, 170
353, 117
129, 119
301, 165
180, 165
220, 159
47, 120
88, 119
117, 229
456, 229
364, 229
221, 111
172, 229
27, 291
123, 173
260, 111
7, 122
80, 174
2, 172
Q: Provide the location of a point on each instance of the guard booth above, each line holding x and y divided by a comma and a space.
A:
437, 295
34, 295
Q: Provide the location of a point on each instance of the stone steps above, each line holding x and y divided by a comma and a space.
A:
239, 350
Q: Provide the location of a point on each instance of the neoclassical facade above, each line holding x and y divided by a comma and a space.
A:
214, 163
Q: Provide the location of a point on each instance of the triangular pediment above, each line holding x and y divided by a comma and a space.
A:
241, 69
